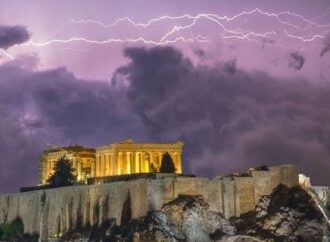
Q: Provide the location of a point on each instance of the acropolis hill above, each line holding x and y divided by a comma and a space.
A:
53, 212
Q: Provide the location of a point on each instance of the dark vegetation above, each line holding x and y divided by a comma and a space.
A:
63, 174
167, 165
14, 231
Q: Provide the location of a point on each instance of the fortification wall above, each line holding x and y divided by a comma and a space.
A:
323, 194
54, 211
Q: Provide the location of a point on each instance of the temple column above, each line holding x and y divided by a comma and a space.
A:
116, 164
101, 165
120, 163
97, 167
104, 165
179, 165
93, 168
108, 165
112, 162
137, 163
78, 170
160, 158
124, 164
128, 163
132, 159
142, 162
127, 166
105, 162
133, 163
146, 162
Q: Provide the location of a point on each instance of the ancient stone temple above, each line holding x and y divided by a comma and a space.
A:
120, 158
128, 157
81, 158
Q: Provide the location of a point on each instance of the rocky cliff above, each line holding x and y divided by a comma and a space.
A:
288, 214
53, 212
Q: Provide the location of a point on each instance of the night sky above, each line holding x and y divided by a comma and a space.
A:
241, 83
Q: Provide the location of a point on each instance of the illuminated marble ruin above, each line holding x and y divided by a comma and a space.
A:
120, 158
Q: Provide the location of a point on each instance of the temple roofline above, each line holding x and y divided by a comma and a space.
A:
70, 148
130, 143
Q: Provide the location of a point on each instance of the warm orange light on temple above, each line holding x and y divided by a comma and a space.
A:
116, 159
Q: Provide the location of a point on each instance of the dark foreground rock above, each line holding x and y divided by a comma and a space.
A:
285, 215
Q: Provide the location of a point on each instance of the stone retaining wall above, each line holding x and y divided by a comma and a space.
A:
52, 212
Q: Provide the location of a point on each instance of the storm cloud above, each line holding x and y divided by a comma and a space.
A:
326, 46
296, 61
229, 120
12, 35
38, 108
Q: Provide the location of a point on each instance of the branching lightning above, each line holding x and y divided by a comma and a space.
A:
5, 53
223, 22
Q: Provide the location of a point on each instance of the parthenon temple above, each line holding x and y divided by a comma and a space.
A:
120, 158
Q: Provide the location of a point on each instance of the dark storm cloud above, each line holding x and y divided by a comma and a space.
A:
296, 61
12, 35
326, 46
230, 66
229, 120
53, 107
200, 54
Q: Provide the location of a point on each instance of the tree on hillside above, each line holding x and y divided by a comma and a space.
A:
167, 165
63, 174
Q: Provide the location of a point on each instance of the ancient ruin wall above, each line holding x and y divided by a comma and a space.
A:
54, 211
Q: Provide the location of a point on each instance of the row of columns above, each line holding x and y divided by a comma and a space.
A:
129, 162
118, 163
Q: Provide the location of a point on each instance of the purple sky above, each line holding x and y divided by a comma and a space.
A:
242, 83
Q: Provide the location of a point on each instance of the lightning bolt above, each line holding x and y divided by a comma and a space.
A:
223, 22
209, 16
5, 53
314, 37
198, 38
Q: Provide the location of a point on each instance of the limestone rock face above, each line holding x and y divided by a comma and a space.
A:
189, 218
288, 215
285, 215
